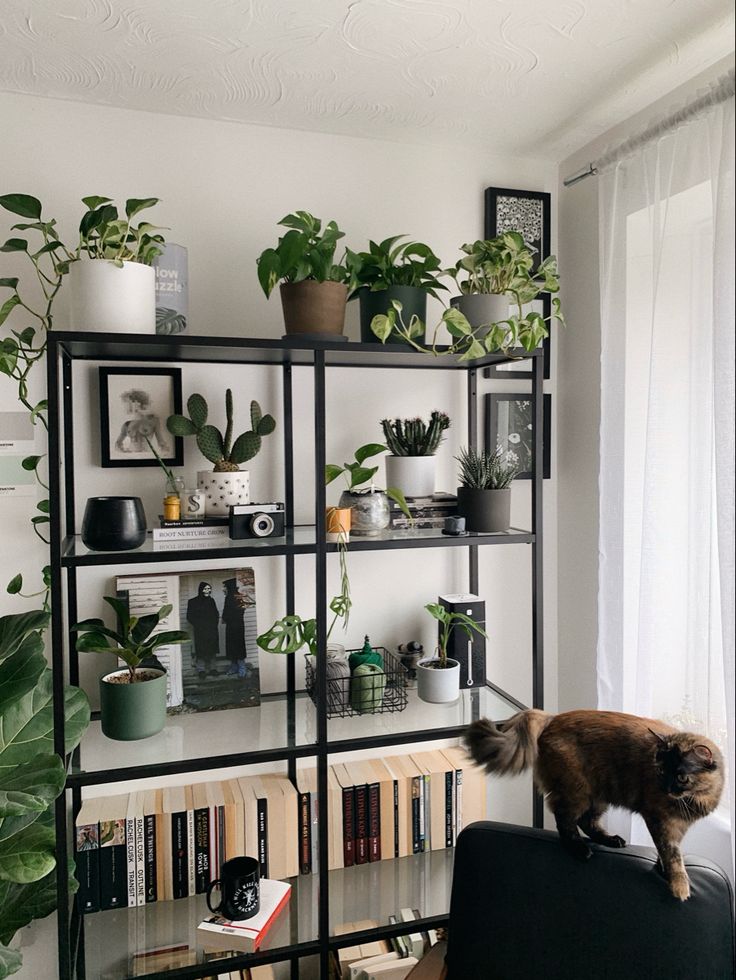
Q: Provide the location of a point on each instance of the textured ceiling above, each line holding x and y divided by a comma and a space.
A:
536, 77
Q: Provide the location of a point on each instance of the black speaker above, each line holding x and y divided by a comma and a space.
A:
470, 652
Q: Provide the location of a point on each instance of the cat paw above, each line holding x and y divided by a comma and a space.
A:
614, 841
680, 887
578, 848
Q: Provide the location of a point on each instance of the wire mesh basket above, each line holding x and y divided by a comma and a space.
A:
373, 693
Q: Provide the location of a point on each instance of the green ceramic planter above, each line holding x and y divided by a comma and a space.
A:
412, 298
133, 711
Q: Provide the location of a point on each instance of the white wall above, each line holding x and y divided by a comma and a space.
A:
223, 187
578, 402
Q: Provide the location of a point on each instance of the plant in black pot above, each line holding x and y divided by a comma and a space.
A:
412, 445
406, 273
438, 677
371, 513
314, 287
132, 699
484, 494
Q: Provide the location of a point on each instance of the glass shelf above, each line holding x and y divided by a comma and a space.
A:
300, 540
242, 736
368, 892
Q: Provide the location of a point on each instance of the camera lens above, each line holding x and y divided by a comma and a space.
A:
261, 525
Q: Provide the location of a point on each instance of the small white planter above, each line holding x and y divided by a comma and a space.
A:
112, 299
481, 309
438, 686
413, 475
223, 490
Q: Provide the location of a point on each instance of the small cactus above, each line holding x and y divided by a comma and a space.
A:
218, 449
415, 437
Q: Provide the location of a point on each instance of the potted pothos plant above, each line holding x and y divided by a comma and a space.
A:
438, 677
412, 444
484, 494
392, 270
313, 286
132, 698
371, 513
226, 484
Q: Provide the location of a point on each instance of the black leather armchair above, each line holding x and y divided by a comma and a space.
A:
523, 909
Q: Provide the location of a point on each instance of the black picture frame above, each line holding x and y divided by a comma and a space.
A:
493, 438
119, 445
500, 216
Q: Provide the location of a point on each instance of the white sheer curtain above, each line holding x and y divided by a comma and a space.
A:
666, 586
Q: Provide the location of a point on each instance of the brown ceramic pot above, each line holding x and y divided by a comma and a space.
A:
314, 307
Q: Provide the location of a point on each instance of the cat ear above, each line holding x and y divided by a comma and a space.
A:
704, 754
660, 738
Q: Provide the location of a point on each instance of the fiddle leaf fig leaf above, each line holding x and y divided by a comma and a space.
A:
31, 787
29, 855
14, 630
22, 903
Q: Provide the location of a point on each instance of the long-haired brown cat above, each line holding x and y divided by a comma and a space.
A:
587, 760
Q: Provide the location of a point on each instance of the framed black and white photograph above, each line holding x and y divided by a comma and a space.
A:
509, 425
134, 406
218, 666
527, 212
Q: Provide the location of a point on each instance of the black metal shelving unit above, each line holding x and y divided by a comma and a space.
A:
289, 942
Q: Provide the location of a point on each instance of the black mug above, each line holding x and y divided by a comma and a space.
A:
240, 889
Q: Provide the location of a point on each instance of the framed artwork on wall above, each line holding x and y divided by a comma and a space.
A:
134, 406
527, 212
509, 424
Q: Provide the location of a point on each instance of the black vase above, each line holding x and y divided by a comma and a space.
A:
114, 523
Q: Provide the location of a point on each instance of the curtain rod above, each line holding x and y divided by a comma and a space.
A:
720, 91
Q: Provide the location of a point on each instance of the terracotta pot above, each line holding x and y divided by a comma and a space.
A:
338, 521
314, 307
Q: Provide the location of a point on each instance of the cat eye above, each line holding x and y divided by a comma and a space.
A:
682, 778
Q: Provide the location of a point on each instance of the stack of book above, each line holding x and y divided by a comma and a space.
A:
246, 935
170, 843
213, 528
428, 512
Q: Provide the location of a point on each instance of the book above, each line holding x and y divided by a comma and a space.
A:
152, 858
392, 971
234, 819
437, 768
250, 820
190, 533
335, 849
356, 774
87, 855
401, 801
307, 790
416, 811
113, 852
348, 814
246, 935
202, 816
162, 959
399, 943
191, 852
216, 801
474, 787
414, 940
387, 812
358, 967
195, 522
177, 860
288, 853
130, 851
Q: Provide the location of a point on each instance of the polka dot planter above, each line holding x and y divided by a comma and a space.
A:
223, 490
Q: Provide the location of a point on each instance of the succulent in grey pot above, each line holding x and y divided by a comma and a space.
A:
484, 494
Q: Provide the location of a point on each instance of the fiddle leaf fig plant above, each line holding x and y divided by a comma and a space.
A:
133, 641
215, 446
31, 778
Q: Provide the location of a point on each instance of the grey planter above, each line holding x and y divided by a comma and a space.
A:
482, 309
485, 511
133, 711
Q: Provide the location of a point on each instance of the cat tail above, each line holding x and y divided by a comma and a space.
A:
507, 747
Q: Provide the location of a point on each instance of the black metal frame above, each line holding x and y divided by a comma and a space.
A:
491, 402
63, 348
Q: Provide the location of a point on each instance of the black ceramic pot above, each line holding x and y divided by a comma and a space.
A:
412, 298
114, 523
485, 511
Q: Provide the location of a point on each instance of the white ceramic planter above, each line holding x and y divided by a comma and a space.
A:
112, 299
223, 490
481, 309
413, 475
438, 686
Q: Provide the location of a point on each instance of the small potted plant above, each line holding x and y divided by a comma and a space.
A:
313, 286
387, 272
370, 508
484, 494
438, 677
412, 445
226, 484
132, 699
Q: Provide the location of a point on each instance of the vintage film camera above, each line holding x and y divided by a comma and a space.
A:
257, 520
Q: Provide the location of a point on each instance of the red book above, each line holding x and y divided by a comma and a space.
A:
218, 934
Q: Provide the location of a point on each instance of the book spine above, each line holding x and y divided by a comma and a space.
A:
113, 865
262, 817
348, 827
305, 834
449, 810
396, 818
374, 822
416, 825
192, 856
399, 943
314, 834
180, 872
193, 533
361, 824
201, 850
149, 833
140, 861
423, 814
130, 860
87, 860
458, 802
220, 839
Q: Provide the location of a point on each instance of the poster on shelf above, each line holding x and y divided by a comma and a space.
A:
218, 666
